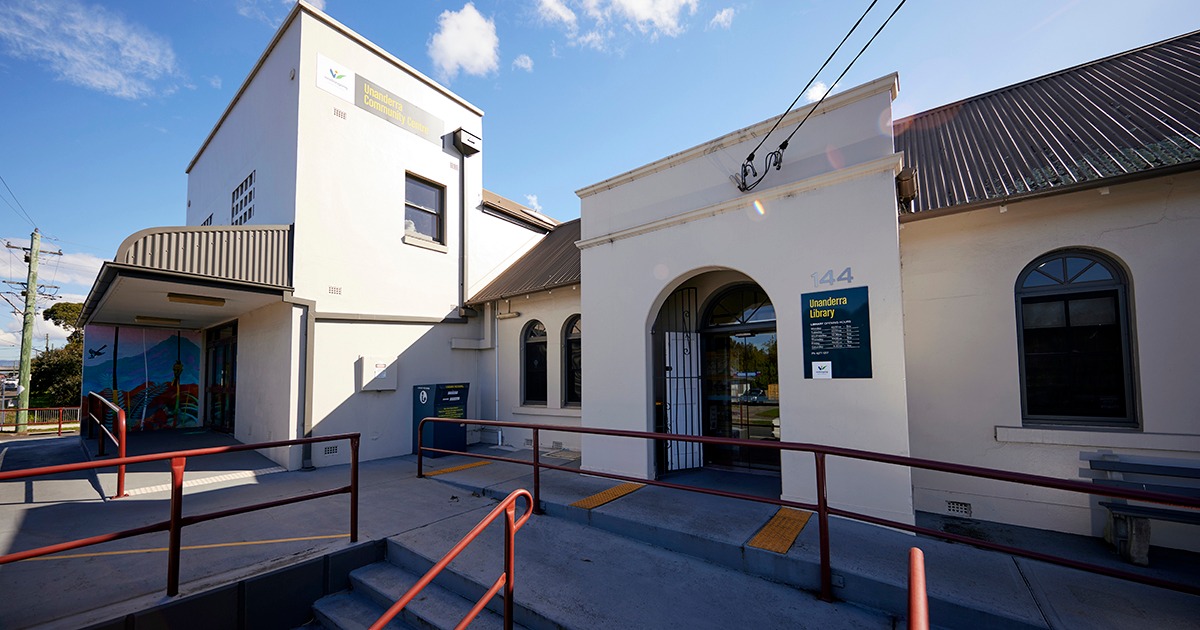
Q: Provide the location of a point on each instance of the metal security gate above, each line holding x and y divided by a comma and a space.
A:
677, 386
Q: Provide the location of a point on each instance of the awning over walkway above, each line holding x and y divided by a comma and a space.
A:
191, 277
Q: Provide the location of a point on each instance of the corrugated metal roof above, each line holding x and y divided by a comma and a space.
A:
1128, 114
553, 262
509, 208
257, 254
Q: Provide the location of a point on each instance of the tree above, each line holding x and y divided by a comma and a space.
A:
66, 315
56, 375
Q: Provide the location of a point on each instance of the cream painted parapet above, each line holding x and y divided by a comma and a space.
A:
832, 208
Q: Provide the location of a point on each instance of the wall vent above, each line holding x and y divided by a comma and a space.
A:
528, 441
959, 508
339, 113
557, 445
335, 290
331, 450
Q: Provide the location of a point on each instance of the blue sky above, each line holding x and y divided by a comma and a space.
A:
105, 102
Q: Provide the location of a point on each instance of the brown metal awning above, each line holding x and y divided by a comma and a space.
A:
191, 278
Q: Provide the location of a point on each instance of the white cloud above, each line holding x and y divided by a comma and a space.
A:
552, 11
817, 91
599, 20
723, 19
655, 17
214, 81
523, 62
532, 202
89, 46
270, 13
465, 41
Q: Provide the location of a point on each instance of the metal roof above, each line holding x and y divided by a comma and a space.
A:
552, 263
1131, 114
514, 211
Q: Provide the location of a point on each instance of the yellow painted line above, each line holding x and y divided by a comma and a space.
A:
612, 494
433, 473
187, 548
781, 531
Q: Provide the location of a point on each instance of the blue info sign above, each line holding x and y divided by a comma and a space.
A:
837, 334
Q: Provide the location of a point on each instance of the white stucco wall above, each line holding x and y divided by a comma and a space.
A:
349, 249
420, 355
258, 134
833, 207
964, 395
552, 309
268, 379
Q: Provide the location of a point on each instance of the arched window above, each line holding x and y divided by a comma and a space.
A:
1073, 332
533, 373
573, 361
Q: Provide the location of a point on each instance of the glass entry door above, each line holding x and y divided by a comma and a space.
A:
741, 378
221, 385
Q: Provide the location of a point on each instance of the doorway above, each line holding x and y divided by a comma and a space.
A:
740, 385
220, 391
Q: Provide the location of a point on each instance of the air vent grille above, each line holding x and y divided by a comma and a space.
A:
959, 508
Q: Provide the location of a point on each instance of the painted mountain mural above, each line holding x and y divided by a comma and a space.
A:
147, 385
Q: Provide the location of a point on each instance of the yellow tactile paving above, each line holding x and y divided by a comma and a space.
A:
442, 471
612, 494
781, 531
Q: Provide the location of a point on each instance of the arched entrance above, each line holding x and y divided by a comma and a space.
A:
716, 373
740, 386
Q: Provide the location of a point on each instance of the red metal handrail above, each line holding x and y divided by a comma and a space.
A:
918, 602
31, 425
177, 521
96, 412
822, 509
508, 507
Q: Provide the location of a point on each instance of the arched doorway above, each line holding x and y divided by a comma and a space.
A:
740, 384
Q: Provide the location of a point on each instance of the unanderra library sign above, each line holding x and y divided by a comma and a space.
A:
837, 334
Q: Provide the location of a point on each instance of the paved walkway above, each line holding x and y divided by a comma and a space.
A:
106, 581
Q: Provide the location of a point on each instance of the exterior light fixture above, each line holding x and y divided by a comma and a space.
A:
508, 315
157, 321
906, 184
201, 300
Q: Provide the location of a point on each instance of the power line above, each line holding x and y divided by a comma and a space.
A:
14, 196
775, 158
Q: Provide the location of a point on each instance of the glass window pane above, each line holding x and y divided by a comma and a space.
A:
1096, 273
535, 331
424, 194
1043, 315
1054, 269
1076, 265
1038, 279
423, 223
1097, 311
535, 372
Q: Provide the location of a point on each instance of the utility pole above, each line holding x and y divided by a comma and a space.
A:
35, 247
31, 293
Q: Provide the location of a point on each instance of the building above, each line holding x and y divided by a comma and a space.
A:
1024, 308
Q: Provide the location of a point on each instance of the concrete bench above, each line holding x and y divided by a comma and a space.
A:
1128, 527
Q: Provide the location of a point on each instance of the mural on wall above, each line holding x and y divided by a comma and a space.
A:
151, 373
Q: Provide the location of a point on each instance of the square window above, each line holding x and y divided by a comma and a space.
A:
424, 208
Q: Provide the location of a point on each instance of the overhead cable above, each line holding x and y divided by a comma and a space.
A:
775, 158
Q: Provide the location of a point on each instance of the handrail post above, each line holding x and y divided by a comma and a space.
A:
510, 560
537, 475
823, 521
176, 526
60, 414
420, 459
354, 489
918, 602
121, 453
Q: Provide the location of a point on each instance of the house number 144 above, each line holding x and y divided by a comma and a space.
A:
828, 278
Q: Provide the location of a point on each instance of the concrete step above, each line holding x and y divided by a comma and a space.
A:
572, 576
375, 587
